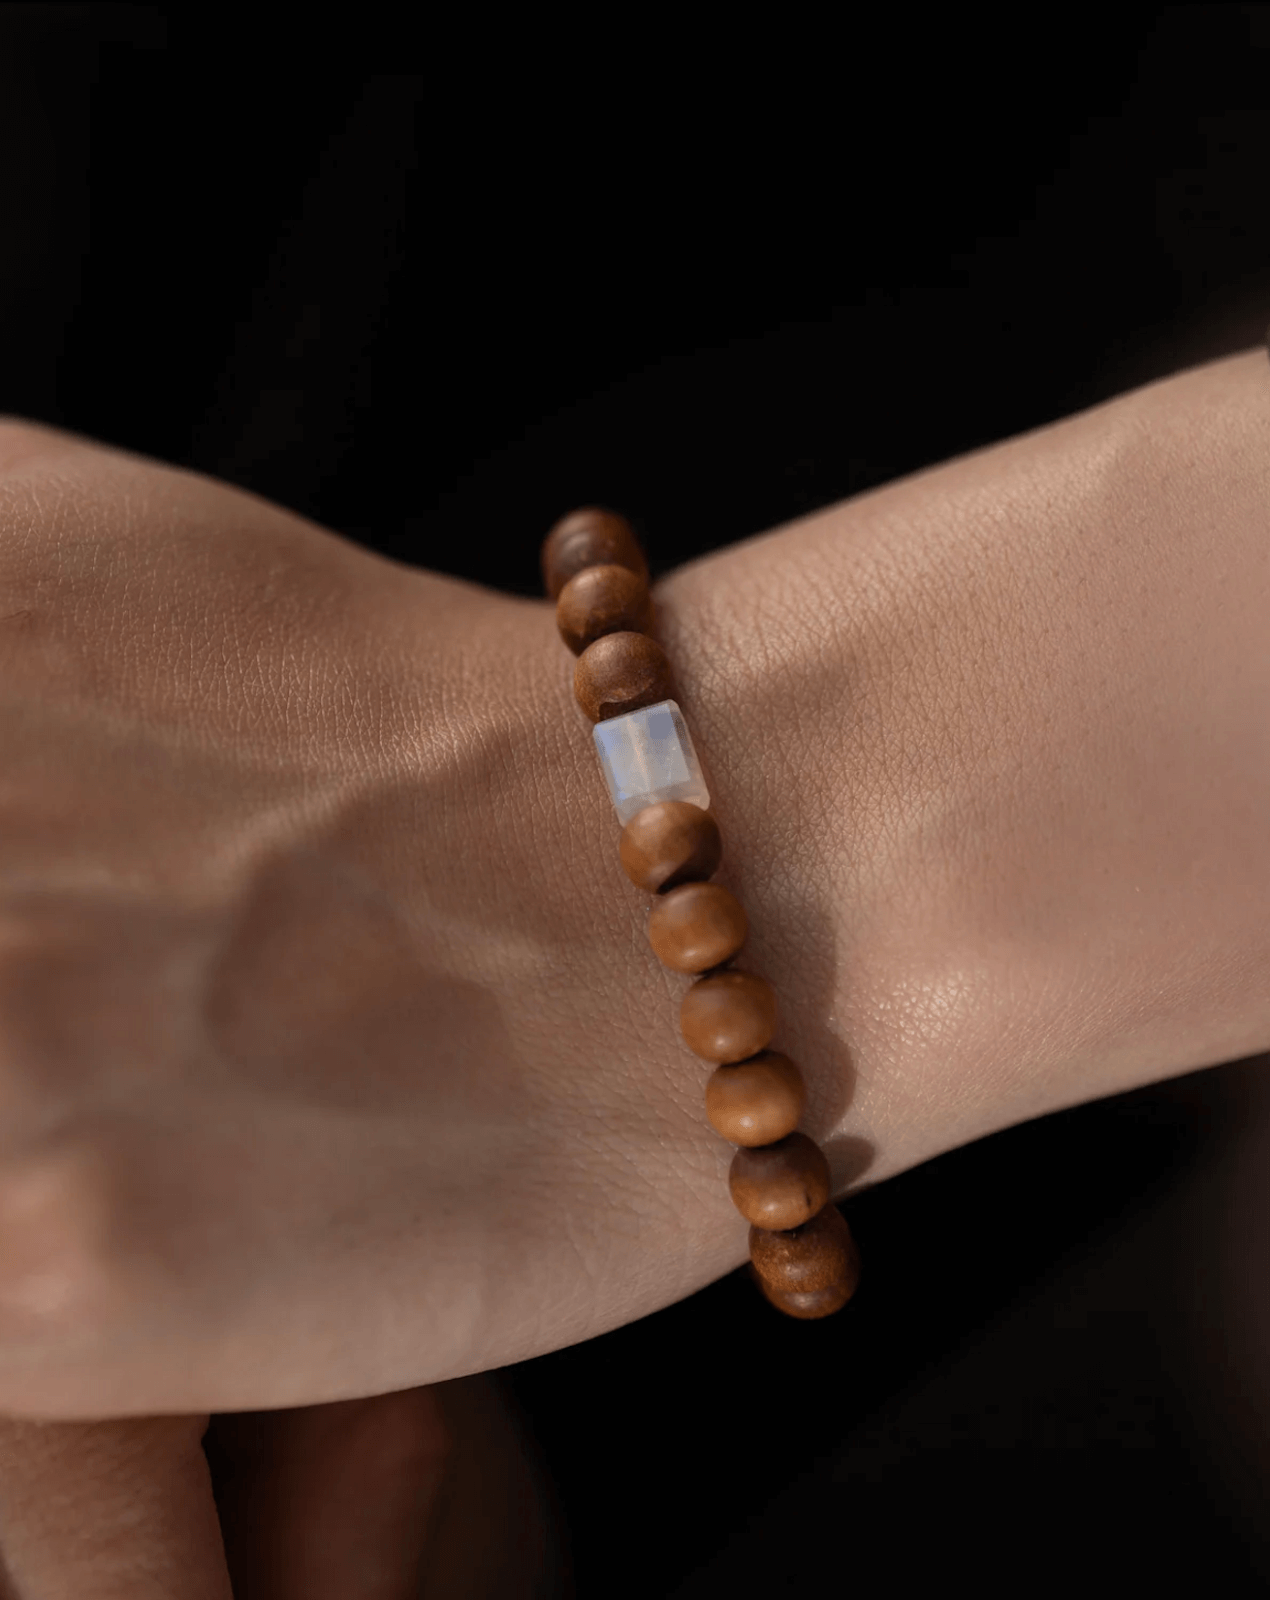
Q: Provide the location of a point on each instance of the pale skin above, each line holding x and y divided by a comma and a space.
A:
333, 1059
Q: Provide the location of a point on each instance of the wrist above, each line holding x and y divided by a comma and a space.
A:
987, 748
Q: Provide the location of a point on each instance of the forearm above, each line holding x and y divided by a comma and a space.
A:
992, 754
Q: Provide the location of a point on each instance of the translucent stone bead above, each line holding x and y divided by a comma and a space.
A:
647, 756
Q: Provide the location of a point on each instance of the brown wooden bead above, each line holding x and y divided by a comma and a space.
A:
600, 600
808, 1271
670, 843
589, 537
696, 926
780, 1185
619, 673
728, 1016
807, 1306
758, 1101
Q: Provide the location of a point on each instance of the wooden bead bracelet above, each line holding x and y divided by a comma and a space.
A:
802, 1252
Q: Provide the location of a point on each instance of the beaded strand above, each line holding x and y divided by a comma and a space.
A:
801, 1249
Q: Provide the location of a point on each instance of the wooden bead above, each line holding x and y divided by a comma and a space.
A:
590, 537
758, 1101
728, 1016
780, 1185
600, 600
670, 843
697, 926
809, 1271
619, 673
815, 1303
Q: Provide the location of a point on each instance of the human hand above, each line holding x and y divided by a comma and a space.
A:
315, 1038
332, 1054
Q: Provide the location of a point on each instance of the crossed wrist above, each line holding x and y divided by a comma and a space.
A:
986, 741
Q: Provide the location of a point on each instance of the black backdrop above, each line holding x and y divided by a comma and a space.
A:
432, 285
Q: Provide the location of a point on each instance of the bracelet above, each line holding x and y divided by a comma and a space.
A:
801, 1250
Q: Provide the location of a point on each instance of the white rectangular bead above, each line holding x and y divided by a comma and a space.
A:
647, 756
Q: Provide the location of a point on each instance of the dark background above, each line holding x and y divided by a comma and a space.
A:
432, 286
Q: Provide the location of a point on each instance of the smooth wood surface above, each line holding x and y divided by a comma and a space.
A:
728, 1016
670, 843
589, 537
600, 600
758, 1101
780, 1185
696, 926
619, 673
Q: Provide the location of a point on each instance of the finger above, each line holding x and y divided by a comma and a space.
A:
330, 1502
495, 1532
118, 1510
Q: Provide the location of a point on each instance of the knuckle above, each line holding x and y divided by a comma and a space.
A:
58, 1260
94, 999
44, 1020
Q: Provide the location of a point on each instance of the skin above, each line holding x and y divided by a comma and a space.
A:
425, 1491
333, 1059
